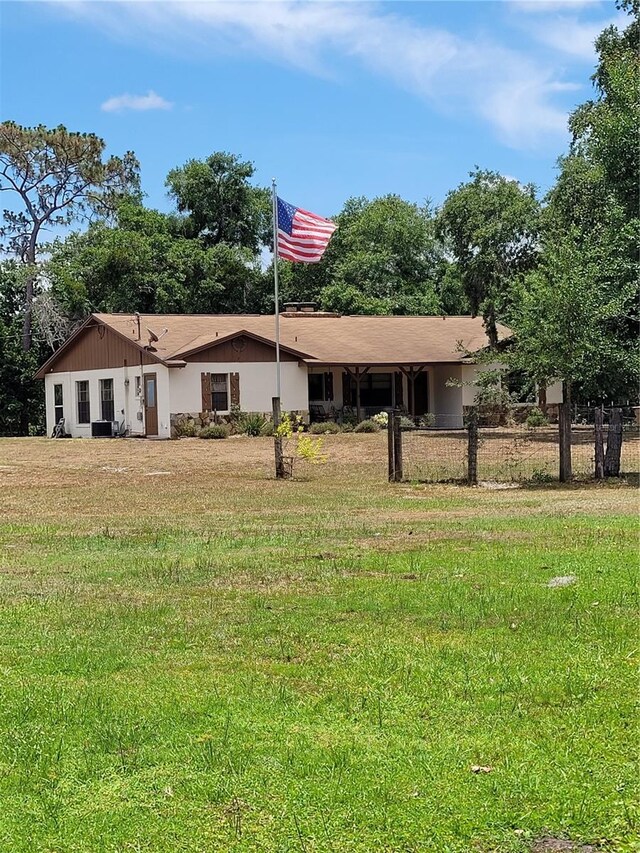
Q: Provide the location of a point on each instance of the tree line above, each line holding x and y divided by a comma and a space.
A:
561, 271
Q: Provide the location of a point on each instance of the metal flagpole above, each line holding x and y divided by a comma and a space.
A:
275, 283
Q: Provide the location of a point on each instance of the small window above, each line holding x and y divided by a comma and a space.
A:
150, 392
320, 387
58, 408
106, 399
82, 396
138, 386
220, 392
316, 386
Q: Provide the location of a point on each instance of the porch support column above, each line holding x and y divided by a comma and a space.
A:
412, 374
357, 377
412, 393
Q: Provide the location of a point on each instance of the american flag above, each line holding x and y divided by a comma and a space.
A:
302, 236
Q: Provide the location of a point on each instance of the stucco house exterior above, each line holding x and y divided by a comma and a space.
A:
142, 372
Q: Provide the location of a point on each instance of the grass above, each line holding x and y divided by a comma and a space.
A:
195, 657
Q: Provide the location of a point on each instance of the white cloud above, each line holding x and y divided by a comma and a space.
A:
512, 91
546, 6
140, 103
572, 36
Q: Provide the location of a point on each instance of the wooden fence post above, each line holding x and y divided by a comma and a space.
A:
599, 443
472, 452
277, 439
564, 430
614, 444
397, 448
390, 435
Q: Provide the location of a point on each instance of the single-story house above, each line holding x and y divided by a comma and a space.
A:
143, 372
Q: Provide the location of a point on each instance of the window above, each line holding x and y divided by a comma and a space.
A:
316, 386
150, 391
138, 385
82, 396
106, 399
320, 386
375, 390
58, 409
219, 392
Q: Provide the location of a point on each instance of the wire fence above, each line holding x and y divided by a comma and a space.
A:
502, 454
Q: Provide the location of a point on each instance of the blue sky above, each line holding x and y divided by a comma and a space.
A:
333, 97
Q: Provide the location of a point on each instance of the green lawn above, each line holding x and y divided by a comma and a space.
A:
194, 657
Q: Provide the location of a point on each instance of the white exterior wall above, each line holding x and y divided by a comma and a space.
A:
125, 404
257, 385
554, 393
446, 401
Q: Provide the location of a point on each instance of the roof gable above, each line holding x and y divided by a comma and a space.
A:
95, 346
240, 346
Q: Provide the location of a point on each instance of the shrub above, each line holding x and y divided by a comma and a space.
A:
428, 420
215, 431
536, 418
185, 428
349, 417
407, 423
250, 423
367, 426
235, 414
329, 427
267, 428
382, 419
347, 427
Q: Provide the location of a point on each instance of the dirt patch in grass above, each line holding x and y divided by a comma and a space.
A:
561, 845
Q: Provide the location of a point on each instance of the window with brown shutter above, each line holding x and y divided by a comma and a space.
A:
219, 392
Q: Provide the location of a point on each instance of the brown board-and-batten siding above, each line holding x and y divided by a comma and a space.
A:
98, 348
240, 350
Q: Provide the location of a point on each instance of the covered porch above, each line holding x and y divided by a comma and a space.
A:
359, 391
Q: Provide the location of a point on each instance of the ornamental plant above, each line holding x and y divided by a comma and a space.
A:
308, 449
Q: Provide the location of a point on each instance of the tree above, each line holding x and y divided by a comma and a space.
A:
57, 177
567, 325
21, 398
491, 225
220, 203
593, 218
143, 262
578, 316
384, 258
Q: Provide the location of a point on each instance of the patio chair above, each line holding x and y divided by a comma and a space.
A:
317, 413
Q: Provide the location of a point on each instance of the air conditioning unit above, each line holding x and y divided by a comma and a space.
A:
104, 429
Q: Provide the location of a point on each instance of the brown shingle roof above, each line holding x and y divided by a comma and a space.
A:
319, 338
